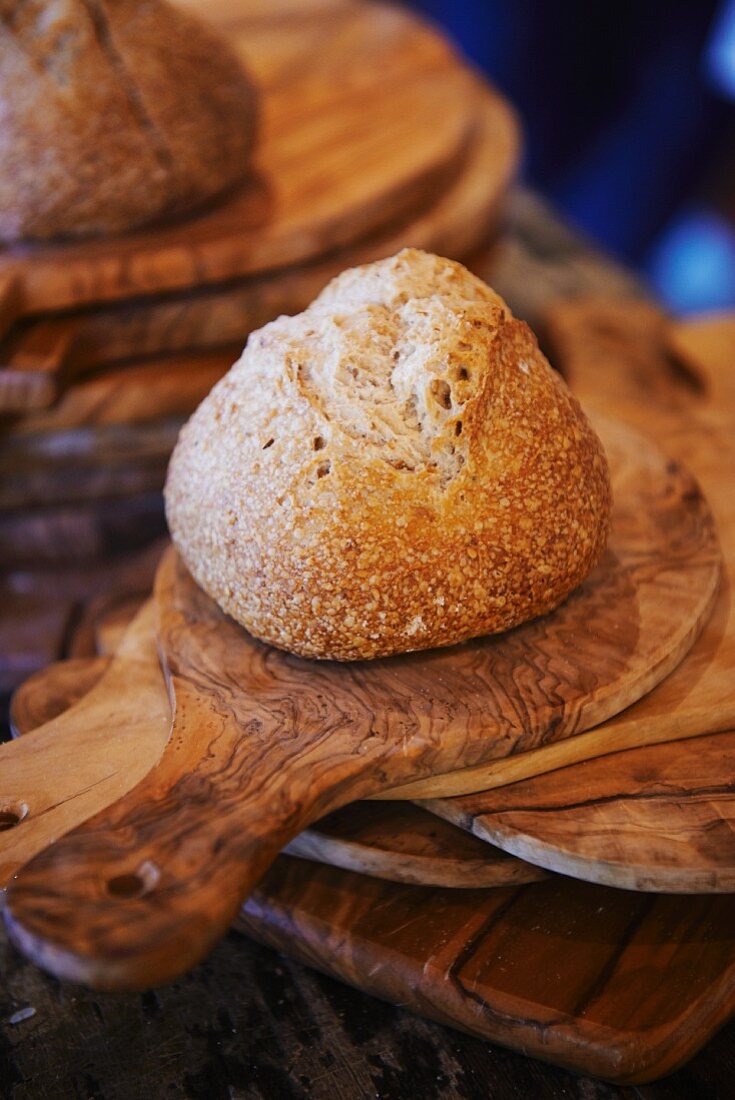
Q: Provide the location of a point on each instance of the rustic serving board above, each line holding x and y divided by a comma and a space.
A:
44, 355
655, 819
238, 783
648, 979
174, 383
52, 690
395, 841
658, 819
604, 348
400, 842
619, 985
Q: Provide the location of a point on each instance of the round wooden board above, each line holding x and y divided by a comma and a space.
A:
263, 743
400, 842
373, 132
659, 819
395, 841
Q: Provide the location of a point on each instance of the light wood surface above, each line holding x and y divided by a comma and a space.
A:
706, 345
263, 744
395, 841
56, 776
400, 842
620, 985
52, 690
617, 968
618, 358
148, 389
617, 984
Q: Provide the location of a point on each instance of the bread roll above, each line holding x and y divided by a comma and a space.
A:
395, 468
114, 113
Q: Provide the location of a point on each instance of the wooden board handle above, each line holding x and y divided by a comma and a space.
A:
144, 889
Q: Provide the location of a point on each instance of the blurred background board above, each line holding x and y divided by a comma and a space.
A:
321, 178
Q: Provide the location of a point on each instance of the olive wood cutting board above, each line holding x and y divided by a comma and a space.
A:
396, 841
660, 818
41, 356
264, 743
647, 982
639, 819
399, 841
696, 698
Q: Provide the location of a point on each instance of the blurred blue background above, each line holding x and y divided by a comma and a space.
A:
629, 115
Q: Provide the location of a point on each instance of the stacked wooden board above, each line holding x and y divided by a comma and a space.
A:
630, 1027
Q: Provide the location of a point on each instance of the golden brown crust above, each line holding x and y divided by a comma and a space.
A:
114, 114
396, 468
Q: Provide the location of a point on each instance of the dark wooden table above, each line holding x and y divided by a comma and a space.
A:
249, 1023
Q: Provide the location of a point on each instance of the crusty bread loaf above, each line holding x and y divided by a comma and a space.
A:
398, 467
114, 113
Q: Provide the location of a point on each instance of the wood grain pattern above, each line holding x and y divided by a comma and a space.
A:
264, 743
604, 348
699, 428
659, 819
395, 841
460, 218
53, 778
356, 1046
640, 1025
421, 116
620, 985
